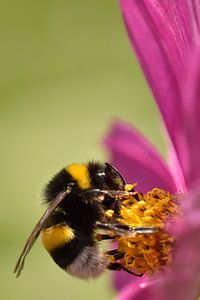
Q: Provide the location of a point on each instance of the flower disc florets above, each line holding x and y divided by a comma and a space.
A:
147, 252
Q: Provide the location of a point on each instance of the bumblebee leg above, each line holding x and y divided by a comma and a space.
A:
93, 194
108, 198
118, 267
115, 254
116, 207
101, 237
125, 230
113, 228
102, 196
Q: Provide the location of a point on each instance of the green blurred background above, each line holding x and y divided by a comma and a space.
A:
66, 69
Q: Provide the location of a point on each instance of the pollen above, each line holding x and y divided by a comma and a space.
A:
147, 253
109, 213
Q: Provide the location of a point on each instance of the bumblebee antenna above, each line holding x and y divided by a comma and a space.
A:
36, 230
114, 170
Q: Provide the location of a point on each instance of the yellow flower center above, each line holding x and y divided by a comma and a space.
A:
146, 252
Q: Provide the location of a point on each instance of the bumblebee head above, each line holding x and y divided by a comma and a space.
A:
92, 175
105, 177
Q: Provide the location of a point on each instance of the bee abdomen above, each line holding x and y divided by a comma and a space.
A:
56, 236
90, 263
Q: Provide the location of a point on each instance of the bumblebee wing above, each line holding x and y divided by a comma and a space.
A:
36, 231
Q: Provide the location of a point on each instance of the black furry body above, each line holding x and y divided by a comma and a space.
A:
81, 214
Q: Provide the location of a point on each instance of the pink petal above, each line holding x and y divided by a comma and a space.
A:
141, 291
176, 169
122, 279
183, 279
188, 137
160, 33
195, 18
137, 159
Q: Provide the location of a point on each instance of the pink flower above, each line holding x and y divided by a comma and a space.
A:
165, 36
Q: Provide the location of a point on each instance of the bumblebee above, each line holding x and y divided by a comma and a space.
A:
78, 198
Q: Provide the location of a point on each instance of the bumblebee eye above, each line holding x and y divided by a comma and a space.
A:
101, 173
113, 178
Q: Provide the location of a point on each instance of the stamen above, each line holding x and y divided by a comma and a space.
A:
147, 252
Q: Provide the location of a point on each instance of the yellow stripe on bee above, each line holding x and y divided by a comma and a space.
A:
80, 173
56, 236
